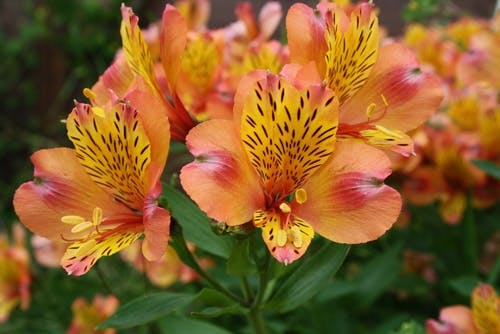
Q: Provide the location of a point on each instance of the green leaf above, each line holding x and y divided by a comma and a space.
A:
219, 303
175, 324
146, 309
309, 277
214, 311
214, 297
464, 285
196, 224
489, 167
377, 275
240, 262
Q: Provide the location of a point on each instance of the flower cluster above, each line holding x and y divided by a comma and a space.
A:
289, 139
466, 56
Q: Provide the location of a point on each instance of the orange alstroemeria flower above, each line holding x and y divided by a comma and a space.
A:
101, 196
482, 318
86, 316
137, 60
277, 165
15, 276
382, 91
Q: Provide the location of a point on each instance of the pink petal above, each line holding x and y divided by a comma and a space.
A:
221, 180
269, 18
347, 201
412, 96
156, 232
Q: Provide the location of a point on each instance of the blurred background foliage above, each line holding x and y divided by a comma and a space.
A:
52, 49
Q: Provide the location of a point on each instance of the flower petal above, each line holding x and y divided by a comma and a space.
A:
404, 97
81, 256
286, 241
153, 118
287, 134
156, 232
352, 52
486, 309
221, 180
61, 187
306, 39
113, 148
136, 49
117, 79
347, 200
173, 38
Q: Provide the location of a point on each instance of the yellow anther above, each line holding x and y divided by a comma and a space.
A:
301, 195
295, 236
285, 208
96, 216
370, 109
72, 220
384, 100
89, 94
81, 227
281, 238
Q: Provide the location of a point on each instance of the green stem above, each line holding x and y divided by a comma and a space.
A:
471, 236
247, 290
255, 318
255, 314
102, 278
187, 257
495, 271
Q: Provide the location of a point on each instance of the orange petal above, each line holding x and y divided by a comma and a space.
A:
156, 232
423, 186
287, 134
347, 200
61, 187
301, 75
412, 96
173, 37
459, 317
221, 180
153, 115
306, 39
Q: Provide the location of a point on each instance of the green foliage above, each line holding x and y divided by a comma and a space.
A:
147, 308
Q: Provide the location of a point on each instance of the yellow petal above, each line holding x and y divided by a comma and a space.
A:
351, 53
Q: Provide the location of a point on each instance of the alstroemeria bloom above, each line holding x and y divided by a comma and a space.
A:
86, 316
101, 196
382, 92
15, 277
276, 164
137, 60
482, 318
